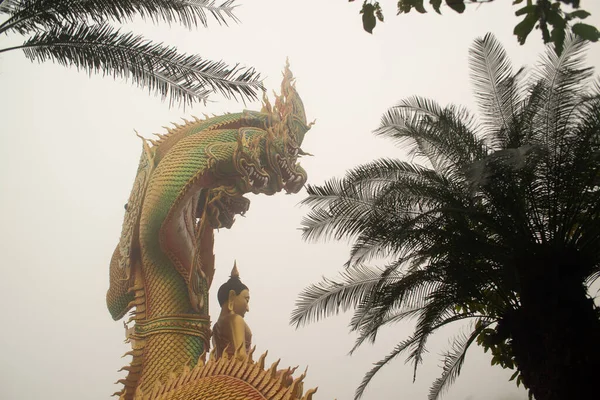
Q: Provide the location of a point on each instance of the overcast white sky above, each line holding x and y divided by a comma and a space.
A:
69, 155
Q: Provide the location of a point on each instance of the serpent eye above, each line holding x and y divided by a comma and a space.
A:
125, 206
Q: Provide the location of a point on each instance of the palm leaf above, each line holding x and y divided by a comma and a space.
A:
329, 297
180, 77
494, 85
33, 15
454, 359
348, 207
565, 71
341, 216
9, 6
406, 297
438, 309
578, 174
395, 236
399, 349
565, 80
369, 332
445, 137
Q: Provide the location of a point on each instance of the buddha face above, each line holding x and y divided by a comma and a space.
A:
241, 302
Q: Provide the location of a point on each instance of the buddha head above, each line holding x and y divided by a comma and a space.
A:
233, 295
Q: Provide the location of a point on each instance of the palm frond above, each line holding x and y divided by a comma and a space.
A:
454, 359
383, 190
394, 236
400, 348
495, 86
339, 215
329, 297
445, 137
384, 170
9, 6
369, 333
180, 77
393, 299
593, 277
481, 171
414, 215
409, 290
566, 71
566, 80
426, 284
35, 15
523, 126
441, 308
577, 178
342, 208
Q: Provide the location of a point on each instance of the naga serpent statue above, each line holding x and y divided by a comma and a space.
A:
189, 182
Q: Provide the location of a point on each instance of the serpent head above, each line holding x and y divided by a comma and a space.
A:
222, 207
280, 148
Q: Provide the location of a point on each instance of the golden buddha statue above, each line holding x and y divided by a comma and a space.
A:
230, 332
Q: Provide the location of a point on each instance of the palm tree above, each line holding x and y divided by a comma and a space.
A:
79, 33
497, 227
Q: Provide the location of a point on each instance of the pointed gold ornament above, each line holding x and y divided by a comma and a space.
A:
234, 272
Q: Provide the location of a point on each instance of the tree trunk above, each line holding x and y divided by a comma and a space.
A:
556, 332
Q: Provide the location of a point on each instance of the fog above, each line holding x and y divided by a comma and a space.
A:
69, 155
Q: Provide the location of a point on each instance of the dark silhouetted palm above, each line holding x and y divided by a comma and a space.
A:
498, 226
79, 33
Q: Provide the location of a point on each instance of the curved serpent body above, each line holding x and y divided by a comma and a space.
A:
190, 182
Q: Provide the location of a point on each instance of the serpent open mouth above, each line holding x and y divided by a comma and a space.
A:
292, 179
256, 178
222, 208
284, 167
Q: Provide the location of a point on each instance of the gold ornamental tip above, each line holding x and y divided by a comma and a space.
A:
234, 272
